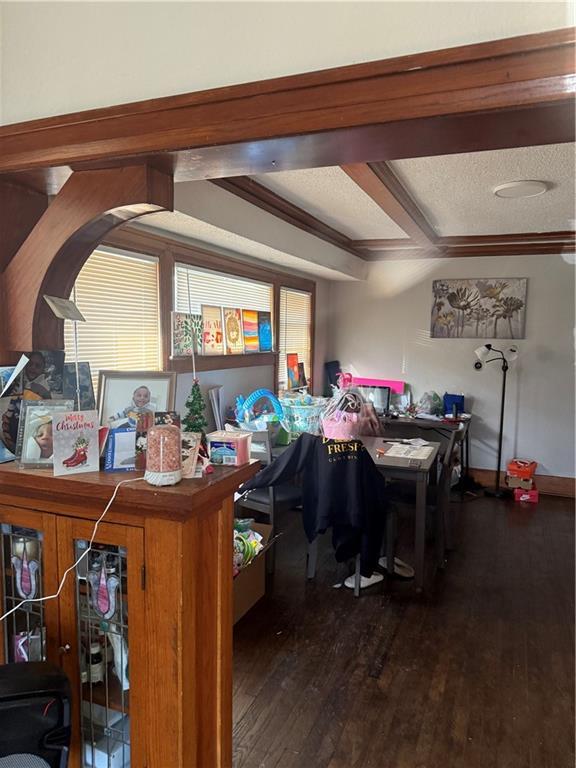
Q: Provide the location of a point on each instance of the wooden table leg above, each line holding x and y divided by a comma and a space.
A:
420, 531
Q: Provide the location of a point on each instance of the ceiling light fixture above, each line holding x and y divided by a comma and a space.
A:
526, 188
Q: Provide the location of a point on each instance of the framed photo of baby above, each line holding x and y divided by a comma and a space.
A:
125, 396
35, 444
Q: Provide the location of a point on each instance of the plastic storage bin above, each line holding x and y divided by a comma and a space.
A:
229, 448
303, 417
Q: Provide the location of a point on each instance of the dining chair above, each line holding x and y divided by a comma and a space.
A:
268, 501
438, 496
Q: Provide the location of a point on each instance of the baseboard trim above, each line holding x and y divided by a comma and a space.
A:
548, 485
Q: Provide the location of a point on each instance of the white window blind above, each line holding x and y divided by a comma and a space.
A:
295, 330
195, 286
118, 296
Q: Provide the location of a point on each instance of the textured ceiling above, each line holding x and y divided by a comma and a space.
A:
455, 191
201, 233
331, 196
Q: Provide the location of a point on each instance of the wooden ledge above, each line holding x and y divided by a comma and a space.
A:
222, 362
86, 495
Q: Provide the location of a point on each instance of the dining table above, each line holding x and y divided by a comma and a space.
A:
422, 471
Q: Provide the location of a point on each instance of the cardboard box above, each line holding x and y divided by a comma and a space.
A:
524, 468
518, 482
530, 496
250, 584
229, 448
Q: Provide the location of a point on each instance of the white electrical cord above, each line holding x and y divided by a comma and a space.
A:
82, 556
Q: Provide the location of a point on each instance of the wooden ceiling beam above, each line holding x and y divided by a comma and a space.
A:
264, 198
525, 238
385, 244
520, 244
330, 117
379, 182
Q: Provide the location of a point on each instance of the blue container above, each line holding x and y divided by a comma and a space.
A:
453, 404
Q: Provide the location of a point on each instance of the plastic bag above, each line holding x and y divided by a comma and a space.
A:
431, 403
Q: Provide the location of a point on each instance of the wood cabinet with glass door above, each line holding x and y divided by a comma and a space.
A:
143, 625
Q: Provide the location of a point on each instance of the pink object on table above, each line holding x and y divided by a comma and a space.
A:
396, 386
163, 455
229, 448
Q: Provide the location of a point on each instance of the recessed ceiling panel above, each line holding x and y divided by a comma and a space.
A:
455, 192
331, 196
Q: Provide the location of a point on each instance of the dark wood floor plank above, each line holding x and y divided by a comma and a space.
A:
477, 674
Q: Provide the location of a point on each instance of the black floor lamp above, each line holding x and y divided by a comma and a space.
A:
483, 354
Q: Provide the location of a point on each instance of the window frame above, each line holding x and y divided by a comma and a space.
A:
310, 368
171, 250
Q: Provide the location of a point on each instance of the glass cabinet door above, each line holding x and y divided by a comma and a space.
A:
28, 562
104, 610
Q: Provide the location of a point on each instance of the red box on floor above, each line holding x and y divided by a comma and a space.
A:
521, 495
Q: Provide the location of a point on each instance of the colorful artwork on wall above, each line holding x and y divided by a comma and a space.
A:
293, 370
479, 308
265, 331
182, 334
250, 326
234, 337
212, 337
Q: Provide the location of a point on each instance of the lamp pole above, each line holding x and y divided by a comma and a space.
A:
505, 366
501, 432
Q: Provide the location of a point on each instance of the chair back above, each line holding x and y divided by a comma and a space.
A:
262, 446
34, 716
451, 455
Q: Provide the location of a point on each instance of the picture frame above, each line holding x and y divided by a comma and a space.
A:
265, 331
10, 408
183, 341
250, 330
212, 335
35, 445
479, 308
233, 334
43, 373
122, 399
292, 370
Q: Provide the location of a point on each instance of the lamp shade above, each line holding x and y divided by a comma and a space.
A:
482, 352
511, 354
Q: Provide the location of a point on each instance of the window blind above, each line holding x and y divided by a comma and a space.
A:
195, 286
118, 296
295, 330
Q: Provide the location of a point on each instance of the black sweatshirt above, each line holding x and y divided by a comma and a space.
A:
342, 490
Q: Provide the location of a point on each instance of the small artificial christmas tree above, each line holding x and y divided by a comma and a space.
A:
195, 421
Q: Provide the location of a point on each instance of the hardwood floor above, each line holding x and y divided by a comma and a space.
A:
477, 674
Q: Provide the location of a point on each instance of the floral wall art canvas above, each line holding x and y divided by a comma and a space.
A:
479, 308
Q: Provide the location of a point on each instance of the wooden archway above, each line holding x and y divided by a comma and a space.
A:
89, 205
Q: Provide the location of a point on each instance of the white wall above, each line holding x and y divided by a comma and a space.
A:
68, 56
382, 328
